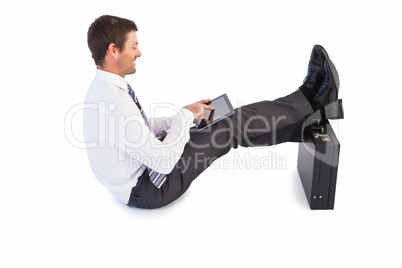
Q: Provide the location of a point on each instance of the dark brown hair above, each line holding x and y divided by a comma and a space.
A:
106, 30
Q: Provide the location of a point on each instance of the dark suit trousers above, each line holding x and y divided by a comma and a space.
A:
259, 124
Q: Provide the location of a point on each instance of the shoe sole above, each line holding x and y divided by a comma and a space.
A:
334, 110
334, 74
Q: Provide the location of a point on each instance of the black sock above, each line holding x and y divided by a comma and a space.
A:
309, 94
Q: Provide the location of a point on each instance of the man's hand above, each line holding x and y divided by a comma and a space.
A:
198, 107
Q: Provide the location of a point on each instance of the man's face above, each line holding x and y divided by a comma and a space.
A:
129, 54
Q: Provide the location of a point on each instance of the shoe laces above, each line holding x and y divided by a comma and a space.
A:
310, 82
313, 80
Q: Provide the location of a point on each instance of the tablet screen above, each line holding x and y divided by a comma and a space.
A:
223, 108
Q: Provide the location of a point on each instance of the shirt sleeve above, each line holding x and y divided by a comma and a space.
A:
139, 141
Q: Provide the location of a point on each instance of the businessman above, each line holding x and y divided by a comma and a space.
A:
150, 162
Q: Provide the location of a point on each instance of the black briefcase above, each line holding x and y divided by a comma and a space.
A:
318, 164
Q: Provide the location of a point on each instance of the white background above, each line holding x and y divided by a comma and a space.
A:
55, 214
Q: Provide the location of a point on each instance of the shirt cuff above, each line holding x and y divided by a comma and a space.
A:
187, 114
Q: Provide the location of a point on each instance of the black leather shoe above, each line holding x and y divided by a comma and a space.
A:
317, 59
327, 96
315, 71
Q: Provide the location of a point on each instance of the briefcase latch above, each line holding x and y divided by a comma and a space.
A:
324, 137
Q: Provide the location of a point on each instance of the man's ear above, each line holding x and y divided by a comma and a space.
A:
112, 50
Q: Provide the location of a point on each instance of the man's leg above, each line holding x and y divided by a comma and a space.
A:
258, 124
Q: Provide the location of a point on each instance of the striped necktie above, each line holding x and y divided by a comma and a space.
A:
135, 99
156, 178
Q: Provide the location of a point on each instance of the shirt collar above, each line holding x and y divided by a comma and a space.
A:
112, 78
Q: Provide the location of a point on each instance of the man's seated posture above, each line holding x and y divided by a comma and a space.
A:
150, 162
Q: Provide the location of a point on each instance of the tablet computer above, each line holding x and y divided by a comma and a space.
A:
223, 108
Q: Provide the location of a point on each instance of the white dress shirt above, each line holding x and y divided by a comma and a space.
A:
119, 144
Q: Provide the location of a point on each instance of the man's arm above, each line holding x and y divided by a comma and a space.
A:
136, 139
160, 125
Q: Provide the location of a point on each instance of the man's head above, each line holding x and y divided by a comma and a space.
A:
113, 44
